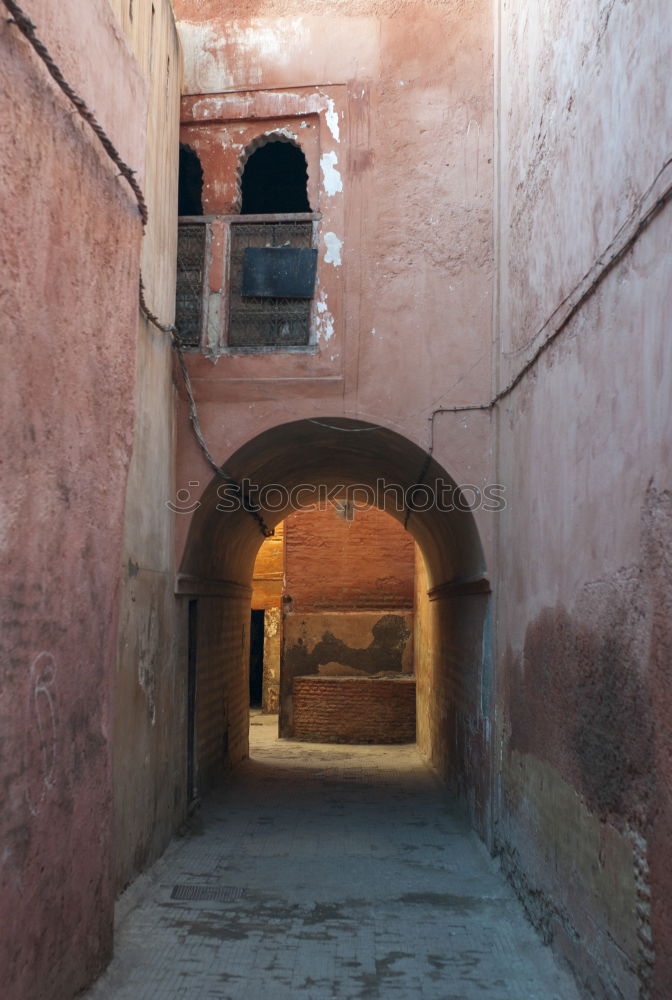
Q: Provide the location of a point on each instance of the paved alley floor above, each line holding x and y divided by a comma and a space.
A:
323, 872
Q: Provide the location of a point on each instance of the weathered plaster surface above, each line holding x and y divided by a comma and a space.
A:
414, 154
340, 644
272, 652
265, 52
69, 271
583, 98
149, 733
584, 582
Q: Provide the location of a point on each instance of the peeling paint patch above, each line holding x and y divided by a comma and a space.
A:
331, 116
282, 131
324, 321
333, 245
333, 182
214, 62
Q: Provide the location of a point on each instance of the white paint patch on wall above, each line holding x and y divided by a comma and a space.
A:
214, 62
282, 131
324, 321
331, 116
333, 182
333, 245
202, 48
270, 41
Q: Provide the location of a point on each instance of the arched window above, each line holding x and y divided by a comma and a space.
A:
190, 183
190, 250
275, 180
272, 261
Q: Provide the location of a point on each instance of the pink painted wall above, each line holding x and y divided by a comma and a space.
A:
584, 547
403, 113
69, 270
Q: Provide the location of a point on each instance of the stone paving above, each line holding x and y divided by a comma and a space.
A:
336, 873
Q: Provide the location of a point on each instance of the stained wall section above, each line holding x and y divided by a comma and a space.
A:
583, 555
69, 270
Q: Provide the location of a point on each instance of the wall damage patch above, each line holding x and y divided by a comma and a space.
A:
334, 246
324, 321
333, 182
331, 117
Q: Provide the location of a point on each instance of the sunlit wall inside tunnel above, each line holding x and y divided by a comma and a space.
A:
337, 588
287, 464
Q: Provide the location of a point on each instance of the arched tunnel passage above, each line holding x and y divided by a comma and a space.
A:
288, 467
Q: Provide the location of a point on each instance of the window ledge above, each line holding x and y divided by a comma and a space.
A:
270, 349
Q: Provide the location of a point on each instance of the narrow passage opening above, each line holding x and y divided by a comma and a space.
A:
335, 587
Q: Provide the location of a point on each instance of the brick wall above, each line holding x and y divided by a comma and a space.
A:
222, 695
354, 710
331, 563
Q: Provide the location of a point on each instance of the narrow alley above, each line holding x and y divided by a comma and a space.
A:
338, 386
327, 872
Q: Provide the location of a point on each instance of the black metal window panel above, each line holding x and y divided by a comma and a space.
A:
279, 272
190, 276
269, 320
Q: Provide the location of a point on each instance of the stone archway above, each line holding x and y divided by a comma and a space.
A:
452, 647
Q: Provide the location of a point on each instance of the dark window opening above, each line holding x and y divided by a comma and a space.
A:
256, 658
275, 180
190, 184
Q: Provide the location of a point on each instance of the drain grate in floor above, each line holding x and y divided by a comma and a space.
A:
209, 893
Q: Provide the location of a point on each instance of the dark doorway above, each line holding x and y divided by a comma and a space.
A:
256, 658
275, 179
191, 700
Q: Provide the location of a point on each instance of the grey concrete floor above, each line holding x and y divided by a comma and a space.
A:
335, 872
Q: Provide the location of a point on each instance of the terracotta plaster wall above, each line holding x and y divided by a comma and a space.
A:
270, 698
402, 110
69, 267
268, 573
150, 682
584, 548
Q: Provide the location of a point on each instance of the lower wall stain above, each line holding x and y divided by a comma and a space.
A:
361, 644
587, 763
385, 651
